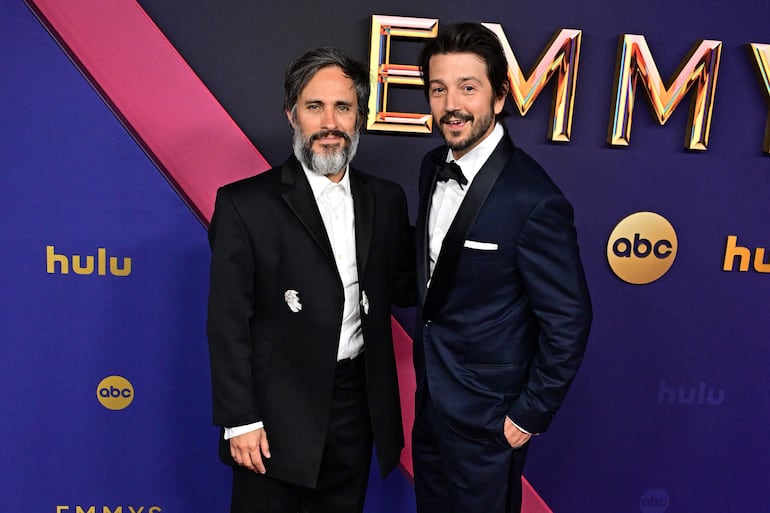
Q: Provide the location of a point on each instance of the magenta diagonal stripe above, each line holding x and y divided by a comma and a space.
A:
181, 126
155, 94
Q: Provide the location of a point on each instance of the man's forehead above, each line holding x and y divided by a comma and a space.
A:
457, 67
458, 59
329, 78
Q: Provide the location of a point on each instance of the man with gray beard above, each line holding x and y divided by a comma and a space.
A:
307, 259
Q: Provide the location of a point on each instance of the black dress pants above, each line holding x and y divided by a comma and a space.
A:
344, 471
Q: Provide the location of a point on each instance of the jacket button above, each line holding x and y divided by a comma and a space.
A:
428, 323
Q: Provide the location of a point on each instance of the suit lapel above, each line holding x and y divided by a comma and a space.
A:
363, 210
299, 197
441, 281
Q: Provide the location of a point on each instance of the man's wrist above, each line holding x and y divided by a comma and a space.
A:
519, 427
241, 430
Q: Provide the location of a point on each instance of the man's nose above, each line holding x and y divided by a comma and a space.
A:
329, 119
452, 100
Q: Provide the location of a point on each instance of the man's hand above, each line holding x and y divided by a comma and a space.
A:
248, 449
515, 436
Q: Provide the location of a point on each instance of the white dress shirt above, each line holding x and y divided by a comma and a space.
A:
335, 202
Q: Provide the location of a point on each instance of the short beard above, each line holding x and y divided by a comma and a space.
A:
480, 127
328, 161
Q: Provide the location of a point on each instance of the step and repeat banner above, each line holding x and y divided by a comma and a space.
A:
120, 119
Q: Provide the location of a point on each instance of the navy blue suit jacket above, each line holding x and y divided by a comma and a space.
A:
500, 332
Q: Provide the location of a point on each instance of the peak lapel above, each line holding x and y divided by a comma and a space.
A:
441, 281
299, 196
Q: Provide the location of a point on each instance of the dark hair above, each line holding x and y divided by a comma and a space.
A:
472, 38
304, 68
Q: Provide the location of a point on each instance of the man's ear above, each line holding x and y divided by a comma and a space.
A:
500, 102
289, 117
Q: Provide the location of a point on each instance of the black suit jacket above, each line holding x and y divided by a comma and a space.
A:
274, 365
503, 327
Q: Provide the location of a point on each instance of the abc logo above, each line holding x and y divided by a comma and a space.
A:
654, 500
642, 248
115, 392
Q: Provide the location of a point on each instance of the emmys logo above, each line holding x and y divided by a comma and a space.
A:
642, 248
654, 500
86, 265
115, 392
108, 509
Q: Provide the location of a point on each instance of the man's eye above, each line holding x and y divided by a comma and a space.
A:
437, 90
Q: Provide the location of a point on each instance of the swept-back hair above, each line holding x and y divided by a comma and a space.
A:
304, 68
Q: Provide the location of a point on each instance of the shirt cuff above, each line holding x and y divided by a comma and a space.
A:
240, 430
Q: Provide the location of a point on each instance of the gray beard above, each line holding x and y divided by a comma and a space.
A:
324, 163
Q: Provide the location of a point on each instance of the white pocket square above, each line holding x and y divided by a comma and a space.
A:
483, 246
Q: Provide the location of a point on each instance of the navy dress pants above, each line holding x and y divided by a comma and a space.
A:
456, 474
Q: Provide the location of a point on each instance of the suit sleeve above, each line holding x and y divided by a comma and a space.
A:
549, 262
230, 312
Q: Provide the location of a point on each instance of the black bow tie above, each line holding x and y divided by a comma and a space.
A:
450, 171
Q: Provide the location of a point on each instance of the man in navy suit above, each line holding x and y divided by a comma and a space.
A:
503, 307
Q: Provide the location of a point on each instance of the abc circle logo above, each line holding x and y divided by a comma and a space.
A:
115, 392
654, 500
642, 248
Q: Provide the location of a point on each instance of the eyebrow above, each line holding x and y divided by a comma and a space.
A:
459, 80
336, 103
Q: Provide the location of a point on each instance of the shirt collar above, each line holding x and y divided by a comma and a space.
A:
320, 183
472, 161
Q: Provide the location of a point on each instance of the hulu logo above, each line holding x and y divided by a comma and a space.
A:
742, 254
700, 394
86, 264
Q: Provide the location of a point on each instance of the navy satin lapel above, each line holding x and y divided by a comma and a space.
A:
482, 184
300, 199
363, 208
427, 183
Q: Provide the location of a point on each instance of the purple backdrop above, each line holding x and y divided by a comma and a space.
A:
669, 412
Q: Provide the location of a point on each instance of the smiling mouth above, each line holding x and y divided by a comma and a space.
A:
456, 124
455, 120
